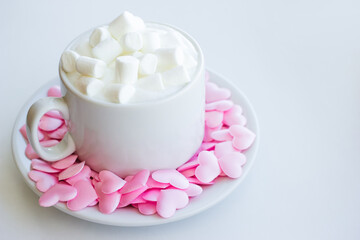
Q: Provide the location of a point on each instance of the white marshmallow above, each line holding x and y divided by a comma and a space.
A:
68, 61
151, 41
126, 69
98, 35
175, 77
148, 64
125, 23
90, 66
169, 58
119, 93
84, 49
89, 86
107, 50
132, 42
152, 83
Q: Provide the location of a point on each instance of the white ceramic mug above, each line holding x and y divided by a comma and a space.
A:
124, 139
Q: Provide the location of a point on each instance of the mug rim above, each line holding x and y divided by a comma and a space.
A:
196, 76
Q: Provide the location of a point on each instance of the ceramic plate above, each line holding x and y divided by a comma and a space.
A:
130, 216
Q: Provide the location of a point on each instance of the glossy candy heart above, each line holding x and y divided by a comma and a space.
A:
148, 208
107, 202
222, 135
65, 162
60, 192
49, 124
243, 137
127, 198
54, 114
84, 174
196, 181
213, 93
151, 195
171, 176
44, 181
193, 190
234, 116
71, 171
189, 172
54, 91
224, 148
169, 201
86, 195
43, 166
58, 133
188, 165
151, 183
221, 106
213, 119
207, 133
208, 168
110, 182
231, 164
136, 182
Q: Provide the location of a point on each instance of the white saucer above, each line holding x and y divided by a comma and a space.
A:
130, 216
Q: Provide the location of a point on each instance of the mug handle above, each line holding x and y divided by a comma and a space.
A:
66, 146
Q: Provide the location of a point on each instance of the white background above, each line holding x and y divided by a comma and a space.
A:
297, 61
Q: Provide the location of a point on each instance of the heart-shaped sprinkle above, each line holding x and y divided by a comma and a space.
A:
189, 172
171, 176
214, 93
148, 208
137, 182
110, 182
208, 168
86, 195
193, 190
234, 116
60, 192
65, 162
59, 133
231, 164
71, 171
49, 124
151, 183
30, 152
188, 165
44, 181
243, 137
84, 174
54, 114
224, 148
221, 106
151, 195
54, 91
222, 135
213, 119
43, 166
169, 201
127, 198
107, 202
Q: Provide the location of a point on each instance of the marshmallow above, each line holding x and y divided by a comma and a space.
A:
98, 35
152, 83
126, 69
175, 77
68, 61
84, 49
148, 64
169, 58
89, 86
107, 50
90, 66
119, 93
125, 23
132, 41
151, 41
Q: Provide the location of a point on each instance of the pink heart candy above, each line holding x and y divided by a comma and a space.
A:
194, 180
151, 195
110, 182
151, 183
107, 202
65, 162
208, 168
148, 208
243, 137
189, 172
231, 164
214, 93
59, 133
137, 182
234, 116
30, 152
86, 195
213, 119
127, 198
169, 201
188, 165
49, 124
54, 114
71, 171
171, 176
207, 146
138, 200
207, 133
222, 135
84, 174
60, 192
54, 91
43, 166
221, 106
44, 181
193, 190
224, 148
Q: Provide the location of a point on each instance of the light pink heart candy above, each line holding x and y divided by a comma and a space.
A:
151, 183
151, 195
188, 165
71, 171
189, 172
110, 182
107, 202
138, 181
224, 148
193, 190
138, 200
84, 174
213, 119
221, 106
171, 176
49, 124
86, 195
208, 168
231, 164
243, 137
148, 208
44, 181
65, 162
58, 133
234, 116
222, 135
54, 114
127, 198
60, 192
43, 166
208, 146
214, 93
194, 180
169, 201
30, 152
207, 133
54, 91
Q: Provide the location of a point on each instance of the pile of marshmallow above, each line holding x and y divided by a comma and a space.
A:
129, 62
71, 181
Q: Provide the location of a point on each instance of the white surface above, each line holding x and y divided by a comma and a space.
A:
131, 217
297, 61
